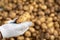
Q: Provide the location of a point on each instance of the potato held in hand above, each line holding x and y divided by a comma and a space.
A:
25, 17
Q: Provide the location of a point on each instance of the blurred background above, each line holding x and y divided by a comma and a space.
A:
45, 14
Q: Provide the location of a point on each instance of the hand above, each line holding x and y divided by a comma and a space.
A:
13, 30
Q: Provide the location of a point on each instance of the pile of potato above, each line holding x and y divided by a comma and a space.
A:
45, 14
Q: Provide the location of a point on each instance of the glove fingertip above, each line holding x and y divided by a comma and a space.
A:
28, 24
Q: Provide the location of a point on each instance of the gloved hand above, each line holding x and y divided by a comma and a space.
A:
12, 29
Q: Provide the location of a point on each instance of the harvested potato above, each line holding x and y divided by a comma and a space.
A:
42, 6
32, 29
28, 34
25, 17
12, 14
12, 39
20, 38
27, 38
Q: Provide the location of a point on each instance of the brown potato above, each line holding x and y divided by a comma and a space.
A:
12, 14
23, 17
20, 38
28, 34
31, 29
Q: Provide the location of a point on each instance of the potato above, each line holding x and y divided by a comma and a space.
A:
28, 34
23, 17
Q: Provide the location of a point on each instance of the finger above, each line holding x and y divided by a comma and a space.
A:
23, 26
27, 24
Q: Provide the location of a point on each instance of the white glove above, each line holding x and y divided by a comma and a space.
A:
13, 30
